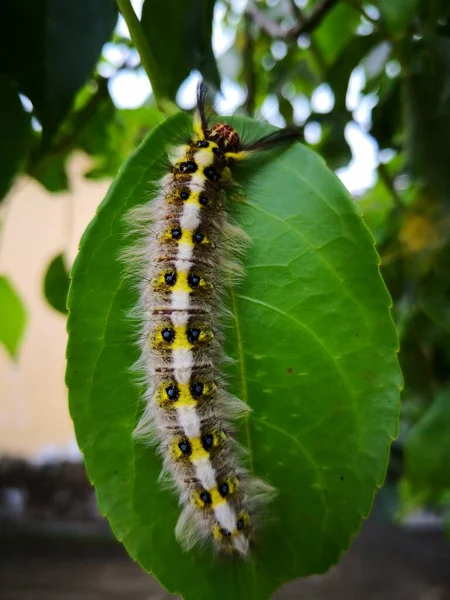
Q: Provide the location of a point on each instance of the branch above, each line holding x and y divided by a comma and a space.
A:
147, 58
249, 70
307, 25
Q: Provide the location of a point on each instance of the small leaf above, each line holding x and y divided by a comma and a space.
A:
179, 34
13, 317
314, 353
52, 173
52, 47
15, 128
427, 451
56, 284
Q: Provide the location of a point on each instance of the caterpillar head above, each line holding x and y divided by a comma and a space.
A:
225, 137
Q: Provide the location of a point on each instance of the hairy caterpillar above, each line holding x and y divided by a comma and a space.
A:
188, 248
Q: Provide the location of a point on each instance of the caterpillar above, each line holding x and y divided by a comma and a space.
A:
188, 248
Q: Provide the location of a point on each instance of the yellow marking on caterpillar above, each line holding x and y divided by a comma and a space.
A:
186, 238
217, 530
185, 398
181, 284
194, 198
237, 156
197, 451
180, 341
216, 498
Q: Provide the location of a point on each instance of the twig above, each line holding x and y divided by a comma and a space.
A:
306, 25
147, 58
249, 70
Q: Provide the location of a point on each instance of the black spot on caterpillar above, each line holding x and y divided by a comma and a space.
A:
182, 262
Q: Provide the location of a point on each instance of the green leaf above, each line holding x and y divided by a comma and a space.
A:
179, 34
315, 352
56, 284
427, 451
52, 47
13, 317
14, 132
336, 31
397, 13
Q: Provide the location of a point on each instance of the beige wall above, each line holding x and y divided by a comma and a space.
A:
34, 418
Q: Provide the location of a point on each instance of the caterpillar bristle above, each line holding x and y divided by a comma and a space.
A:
184, 258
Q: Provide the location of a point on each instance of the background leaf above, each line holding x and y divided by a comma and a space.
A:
56, 284
428, 450
397, 13
15, 132
315, 358
179, 34
50, 48
13, 317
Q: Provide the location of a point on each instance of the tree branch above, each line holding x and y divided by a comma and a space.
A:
249, 71
306, 25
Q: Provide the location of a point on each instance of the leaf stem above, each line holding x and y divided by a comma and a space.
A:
147, 58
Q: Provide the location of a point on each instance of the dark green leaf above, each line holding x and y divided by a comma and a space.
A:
179, 34
386, 115
335, 31
14, 134
56, 284
397, 13
52, 173
315, 359
13, 317
427, 452
427, 113
50, 48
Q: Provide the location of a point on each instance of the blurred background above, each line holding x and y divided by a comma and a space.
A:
369, 83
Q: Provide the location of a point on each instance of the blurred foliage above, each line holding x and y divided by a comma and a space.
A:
12, 323
279, 53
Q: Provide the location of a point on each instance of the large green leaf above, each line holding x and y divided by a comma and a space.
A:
315, 354
12, 317
50, 47
179, 35
15, 129
427, 451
